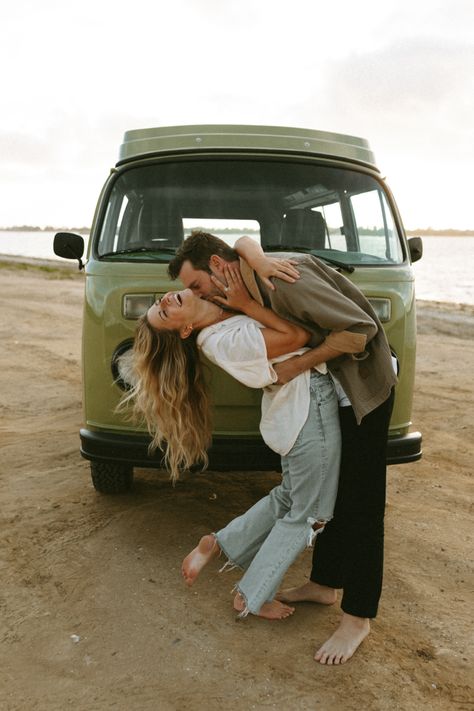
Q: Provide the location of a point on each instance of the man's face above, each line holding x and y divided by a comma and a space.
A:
199, 281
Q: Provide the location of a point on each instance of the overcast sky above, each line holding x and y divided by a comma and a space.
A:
75, 76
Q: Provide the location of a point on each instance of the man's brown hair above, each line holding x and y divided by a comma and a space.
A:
198, 248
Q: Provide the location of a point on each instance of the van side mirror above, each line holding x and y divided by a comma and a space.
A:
415, 246
69, 246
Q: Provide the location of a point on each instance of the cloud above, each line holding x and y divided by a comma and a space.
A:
397, 73
414, 101
408, 74
430, 19
413, 91
23, 149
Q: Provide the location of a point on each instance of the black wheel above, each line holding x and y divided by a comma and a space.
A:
111, 477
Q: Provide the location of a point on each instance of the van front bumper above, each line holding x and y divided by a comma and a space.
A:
226, 453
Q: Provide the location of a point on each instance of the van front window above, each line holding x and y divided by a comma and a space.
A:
286, 205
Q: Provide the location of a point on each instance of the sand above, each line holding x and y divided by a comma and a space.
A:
94, 613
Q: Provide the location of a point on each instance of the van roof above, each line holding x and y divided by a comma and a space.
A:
172, 139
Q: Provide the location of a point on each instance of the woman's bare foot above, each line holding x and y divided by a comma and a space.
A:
270, 610
205, 551
343, 643
309, 592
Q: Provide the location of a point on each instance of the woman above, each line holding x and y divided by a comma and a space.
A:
296, 418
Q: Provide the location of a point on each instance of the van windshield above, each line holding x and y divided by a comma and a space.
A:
333, 213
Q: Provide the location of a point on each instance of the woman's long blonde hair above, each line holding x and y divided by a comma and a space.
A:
170, 395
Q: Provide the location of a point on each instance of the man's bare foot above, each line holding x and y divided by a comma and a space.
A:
309, 592
270, 610
205, 551
343, 643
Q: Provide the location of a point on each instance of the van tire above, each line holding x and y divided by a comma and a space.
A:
111, 477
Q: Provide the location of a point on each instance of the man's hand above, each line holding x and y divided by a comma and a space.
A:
287, 369
267, 267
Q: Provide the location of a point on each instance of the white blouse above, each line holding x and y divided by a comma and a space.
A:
237, 346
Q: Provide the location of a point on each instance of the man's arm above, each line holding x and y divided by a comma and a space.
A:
349, 327
318, 299
265, 266
290, 368
350, 316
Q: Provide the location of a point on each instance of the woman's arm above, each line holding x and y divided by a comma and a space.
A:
265, 266
280, 335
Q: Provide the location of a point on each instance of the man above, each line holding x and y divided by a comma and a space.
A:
347, 335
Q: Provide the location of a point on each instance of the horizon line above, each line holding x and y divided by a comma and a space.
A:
419, 231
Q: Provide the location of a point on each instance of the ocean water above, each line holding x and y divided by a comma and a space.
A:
30, 244
445, 272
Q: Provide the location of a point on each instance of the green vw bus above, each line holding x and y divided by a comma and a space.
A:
292, 190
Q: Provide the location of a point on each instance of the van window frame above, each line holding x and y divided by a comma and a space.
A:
346, 210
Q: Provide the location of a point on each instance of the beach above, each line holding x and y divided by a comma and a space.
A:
95, 614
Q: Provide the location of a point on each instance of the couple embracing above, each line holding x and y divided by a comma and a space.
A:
306, 335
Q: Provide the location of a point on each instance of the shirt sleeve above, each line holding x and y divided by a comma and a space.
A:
347, 326
240, 350
346, 341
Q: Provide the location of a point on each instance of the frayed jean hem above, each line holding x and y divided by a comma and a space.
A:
229, 564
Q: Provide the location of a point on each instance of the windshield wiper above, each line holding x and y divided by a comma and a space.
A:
347, 267
334, 262
134, 250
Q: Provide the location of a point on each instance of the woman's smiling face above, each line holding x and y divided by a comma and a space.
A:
174, 311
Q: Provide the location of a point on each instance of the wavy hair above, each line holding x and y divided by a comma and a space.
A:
170, 395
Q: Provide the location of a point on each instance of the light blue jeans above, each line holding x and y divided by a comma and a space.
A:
266, 539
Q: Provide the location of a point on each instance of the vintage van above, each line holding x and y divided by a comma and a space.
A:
293, 190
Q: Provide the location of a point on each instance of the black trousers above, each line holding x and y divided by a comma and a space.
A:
349, 552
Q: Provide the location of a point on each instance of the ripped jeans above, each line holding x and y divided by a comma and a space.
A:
266, 539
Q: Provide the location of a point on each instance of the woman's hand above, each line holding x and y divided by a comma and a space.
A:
268, 267
235, 295
265, 266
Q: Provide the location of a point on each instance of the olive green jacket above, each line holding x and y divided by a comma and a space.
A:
336, 312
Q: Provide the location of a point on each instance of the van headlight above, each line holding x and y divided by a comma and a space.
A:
122, 366
135, 305
382, 307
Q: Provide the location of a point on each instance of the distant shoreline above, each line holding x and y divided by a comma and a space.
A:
439, 233
49, 228
427, 232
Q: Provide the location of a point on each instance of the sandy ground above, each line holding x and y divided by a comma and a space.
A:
94, 613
